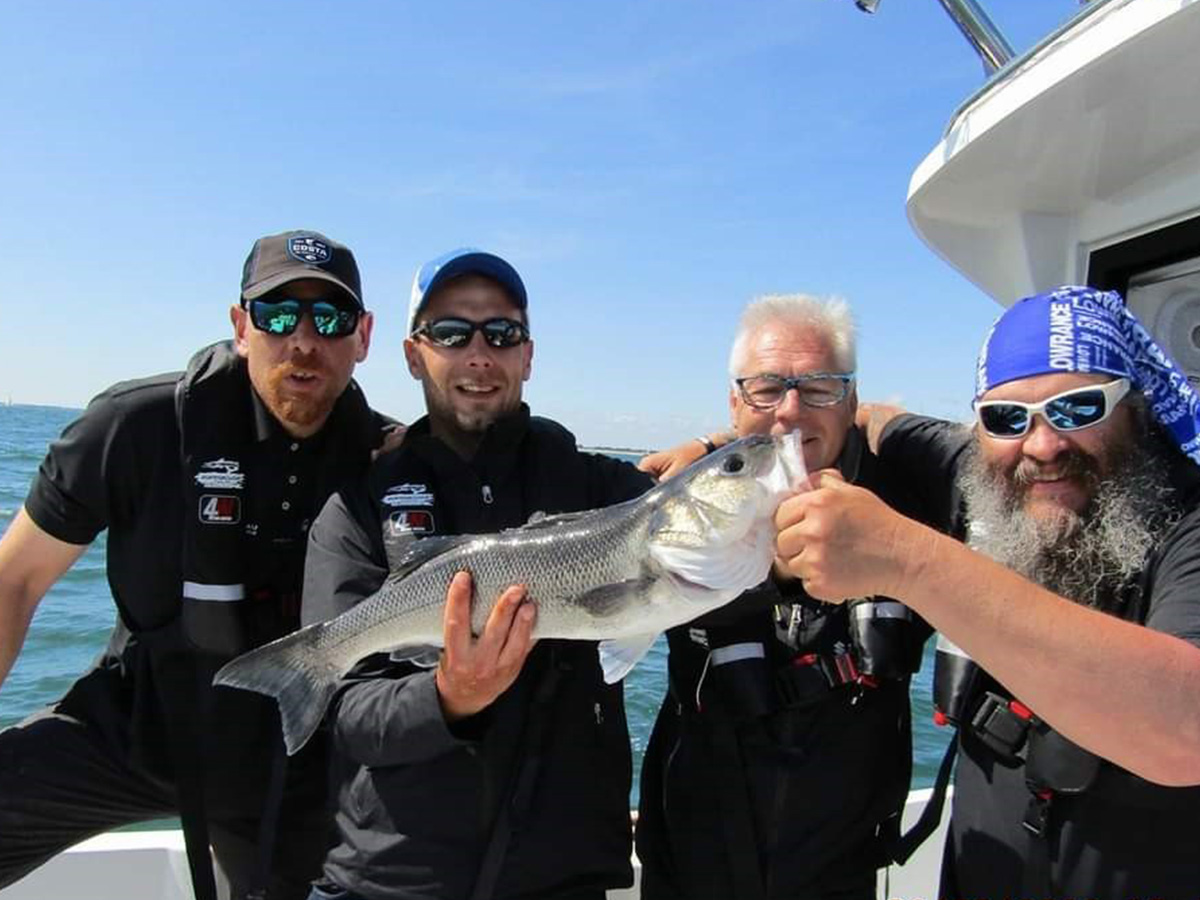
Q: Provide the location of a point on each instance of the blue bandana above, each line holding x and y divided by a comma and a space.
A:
1080, 329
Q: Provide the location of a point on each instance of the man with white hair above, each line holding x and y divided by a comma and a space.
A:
781, 756
1074, 607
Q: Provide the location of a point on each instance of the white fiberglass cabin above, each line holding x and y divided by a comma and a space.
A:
1077, 162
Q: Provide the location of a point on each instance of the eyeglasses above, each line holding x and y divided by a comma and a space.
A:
282, 317
1069, 411
819, 389
454, 332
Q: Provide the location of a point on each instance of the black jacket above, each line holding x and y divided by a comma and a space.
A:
416, 799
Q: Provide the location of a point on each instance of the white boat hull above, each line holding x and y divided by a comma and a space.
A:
152, 865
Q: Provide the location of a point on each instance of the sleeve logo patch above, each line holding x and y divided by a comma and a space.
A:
411, 521
309, 250
220, 509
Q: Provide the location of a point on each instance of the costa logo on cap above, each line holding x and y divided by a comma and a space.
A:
309, 249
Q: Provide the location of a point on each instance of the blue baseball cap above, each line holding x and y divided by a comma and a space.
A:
463, 261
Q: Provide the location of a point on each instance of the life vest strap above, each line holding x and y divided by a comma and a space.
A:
1002, 725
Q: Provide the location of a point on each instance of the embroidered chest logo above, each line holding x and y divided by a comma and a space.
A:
411, 521
309, 250
221, 475
220, 509
407, 495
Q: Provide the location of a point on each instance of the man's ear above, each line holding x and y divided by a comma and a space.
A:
528, 351
412, 356
365, 323
240, 320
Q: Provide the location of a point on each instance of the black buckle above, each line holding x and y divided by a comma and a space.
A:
810, 676
1002, 726
1037, 813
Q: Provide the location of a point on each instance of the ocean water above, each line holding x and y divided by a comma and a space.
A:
72, 622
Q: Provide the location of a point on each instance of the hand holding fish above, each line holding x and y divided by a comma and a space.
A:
472, 671
841, 540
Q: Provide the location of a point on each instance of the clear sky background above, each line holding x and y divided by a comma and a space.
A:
648, 167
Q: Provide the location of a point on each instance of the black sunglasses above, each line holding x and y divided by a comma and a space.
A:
282, 317
455, 332
1069, 411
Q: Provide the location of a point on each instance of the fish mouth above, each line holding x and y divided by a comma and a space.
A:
787, 472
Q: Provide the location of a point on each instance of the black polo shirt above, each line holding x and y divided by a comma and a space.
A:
118, 467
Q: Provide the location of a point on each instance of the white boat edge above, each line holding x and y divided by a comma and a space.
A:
152, 865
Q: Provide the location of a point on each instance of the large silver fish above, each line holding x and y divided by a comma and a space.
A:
619, 575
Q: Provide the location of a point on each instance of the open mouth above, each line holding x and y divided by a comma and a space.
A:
477, 390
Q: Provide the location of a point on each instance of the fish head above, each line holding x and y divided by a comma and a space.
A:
714, 525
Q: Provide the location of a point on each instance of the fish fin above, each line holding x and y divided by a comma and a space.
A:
423, 656
405, 553
290, 669
742, 564
543, 520
618, 656
610, 599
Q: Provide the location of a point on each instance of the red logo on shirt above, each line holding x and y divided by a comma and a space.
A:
411, 521
220, 509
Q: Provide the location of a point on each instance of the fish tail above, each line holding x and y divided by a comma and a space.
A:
300, 678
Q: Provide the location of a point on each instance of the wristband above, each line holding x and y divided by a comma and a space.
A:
709, 446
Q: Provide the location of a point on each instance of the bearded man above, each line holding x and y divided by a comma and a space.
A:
1073, 608
206, 482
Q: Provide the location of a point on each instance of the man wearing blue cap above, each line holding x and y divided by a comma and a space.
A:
503, 770
1074, 606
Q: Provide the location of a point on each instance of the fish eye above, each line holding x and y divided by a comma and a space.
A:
733, 464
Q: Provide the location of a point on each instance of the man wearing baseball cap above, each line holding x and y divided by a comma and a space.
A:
207, 481
499, 769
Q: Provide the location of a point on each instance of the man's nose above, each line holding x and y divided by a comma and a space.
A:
479, 351
1043, 442
305, 338
791, 408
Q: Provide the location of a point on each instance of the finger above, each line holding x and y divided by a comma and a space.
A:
651, 464
791, 511
499, 622
520, 638
456, 620
829, 478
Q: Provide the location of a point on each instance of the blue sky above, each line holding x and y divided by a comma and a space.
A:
648, 167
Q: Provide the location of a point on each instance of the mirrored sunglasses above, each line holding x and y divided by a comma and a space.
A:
818, 389
1069, 411
454, 332
282, 317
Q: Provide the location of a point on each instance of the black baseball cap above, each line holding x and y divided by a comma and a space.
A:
278, 259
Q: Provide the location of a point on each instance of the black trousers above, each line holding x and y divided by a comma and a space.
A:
64, 778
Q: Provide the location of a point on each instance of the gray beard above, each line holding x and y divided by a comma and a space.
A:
1086, 557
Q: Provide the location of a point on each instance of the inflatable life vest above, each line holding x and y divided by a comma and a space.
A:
965, 697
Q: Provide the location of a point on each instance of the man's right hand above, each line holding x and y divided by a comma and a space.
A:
473, 672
